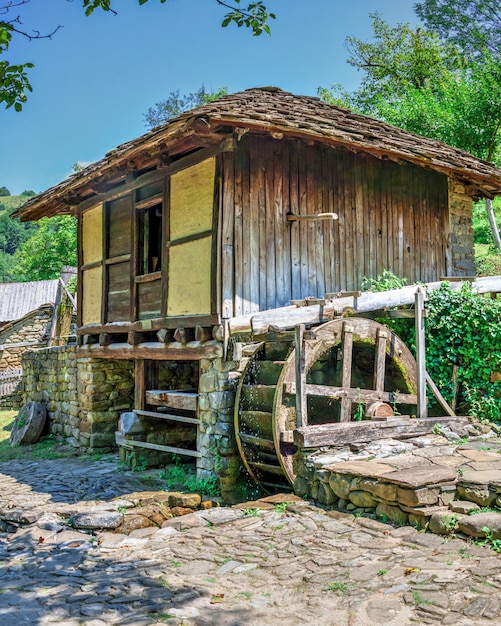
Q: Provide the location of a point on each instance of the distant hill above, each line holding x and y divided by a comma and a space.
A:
9, 203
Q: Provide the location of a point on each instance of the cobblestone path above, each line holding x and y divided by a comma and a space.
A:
224, 566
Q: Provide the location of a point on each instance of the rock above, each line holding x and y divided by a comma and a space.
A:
472, 525
463, 506
444, 522
478, 493
97, 520
187, 500
418, 497
362, 499
340, 485
133, 522
392, 513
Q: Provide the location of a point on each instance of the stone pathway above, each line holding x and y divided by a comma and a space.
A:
293, 564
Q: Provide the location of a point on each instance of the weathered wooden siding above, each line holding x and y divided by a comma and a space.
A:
118, 259
391, 216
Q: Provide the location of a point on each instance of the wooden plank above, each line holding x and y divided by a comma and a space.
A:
266, 467
368, 430
303, 226
256, 206
148, 278
257, 441
131, 443
436, 392
154, 350
346, 400
139, 384
228, 233
238, 295
267, 246
422, 408
185, 400
293, 180
168, 416
300, 365
380, 364
353, 394
282, 231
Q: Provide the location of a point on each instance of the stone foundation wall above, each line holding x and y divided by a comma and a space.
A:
84, 397
462, 252
218, 380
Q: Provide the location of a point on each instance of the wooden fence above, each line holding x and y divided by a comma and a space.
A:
9, 379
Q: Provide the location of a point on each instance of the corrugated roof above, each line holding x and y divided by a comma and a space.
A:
18, 299
279, 113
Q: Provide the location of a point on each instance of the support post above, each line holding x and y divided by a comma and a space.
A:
301, 405
422, 407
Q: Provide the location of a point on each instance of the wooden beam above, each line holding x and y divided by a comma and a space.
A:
354, 395
167, 416
368, 430
174, 399
422, 407
300, 365
154, 350
346, 399
131, 443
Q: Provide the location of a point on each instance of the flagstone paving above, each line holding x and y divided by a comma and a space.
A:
252, 566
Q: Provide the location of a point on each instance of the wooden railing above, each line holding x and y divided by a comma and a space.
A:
9, 379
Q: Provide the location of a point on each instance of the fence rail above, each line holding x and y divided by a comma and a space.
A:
9, 379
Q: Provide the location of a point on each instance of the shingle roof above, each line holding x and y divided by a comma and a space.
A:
18, 299
271, 110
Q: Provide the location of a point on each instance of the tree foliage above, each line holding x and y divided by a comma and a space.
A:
176, 104
52, 246
472, 25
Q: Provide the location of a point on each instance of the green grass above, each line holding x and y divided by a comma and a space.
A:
44, 449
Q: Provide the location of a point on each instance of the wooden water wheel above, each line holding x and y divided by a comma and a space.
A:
348, 369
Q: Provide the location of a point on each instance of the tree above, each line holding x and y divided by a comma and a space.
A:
14, 81
413, 80
52, 246
397, 59
176, 104
472, 25
4, 191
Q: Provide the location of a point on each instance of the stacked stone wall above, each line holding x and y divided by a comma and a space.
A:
462, 252
84, 397
218, 380
31, 329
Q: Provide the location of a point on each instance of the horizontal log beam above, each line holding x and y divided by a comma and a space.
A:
355, 395
131, 443
368, 430
157, 351
287, 317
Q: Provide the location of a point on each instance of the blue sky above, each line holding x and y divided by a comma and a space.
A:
98, 75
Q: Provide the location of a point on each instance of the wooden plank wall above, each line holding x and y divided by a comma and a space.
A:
391, 216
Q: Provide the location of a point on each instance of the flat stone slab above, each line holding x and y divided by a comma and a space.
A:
481, 456
373, 469
420, 477
449, 461
482, 477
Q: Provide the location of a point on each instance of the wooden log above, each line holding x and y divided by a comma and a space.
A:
105, 339
185, 400
193, 351
134, 338
165, 335
359, 432
203, 333
288, 317
184, 335
130, 443
355, 395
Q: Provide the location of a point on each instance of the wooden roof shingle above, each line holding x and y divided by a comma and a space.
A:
279, 113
